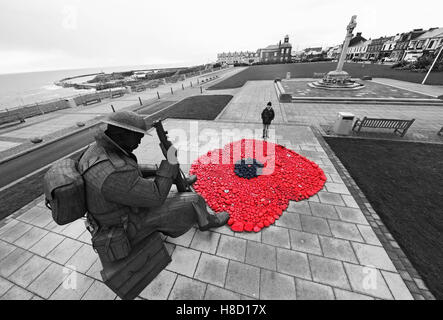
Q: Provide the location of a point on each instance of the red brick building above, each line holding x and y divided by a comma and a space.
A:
279, 53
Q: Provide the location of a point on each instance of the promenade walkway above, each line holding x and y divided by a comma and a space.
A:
327, 247
55, 124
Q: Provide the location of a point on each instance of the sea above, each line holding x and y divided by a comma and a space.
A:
19, 89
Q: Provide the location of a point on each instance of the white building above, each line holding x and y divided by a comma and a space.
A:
247, 57
427, 42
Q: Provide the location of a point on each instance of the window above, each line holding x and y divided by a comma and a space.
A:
275, 54
431, 44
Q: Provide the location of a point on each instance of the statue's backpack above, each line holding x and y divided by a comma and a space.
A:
65, 191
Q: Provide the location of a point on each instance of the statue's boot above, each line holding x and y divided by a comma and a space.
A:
191, 179
205, 220
215, 221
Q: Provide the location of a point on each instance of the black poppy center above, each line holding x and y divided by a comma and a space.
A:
248, 168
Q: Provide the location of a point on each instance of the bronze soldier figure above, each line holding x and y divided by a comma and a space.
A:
119, 192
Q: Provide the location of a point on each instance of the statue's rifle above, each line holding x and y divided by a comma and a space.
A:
165, 145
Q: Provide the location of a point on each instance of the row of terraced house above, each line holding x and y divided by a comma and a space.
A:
276, 53
407, 46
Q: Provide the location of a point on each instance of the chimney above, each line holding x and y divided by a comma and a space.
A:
358, 34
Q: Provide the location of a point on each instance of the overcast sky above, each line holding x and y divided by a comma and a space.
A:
68, 34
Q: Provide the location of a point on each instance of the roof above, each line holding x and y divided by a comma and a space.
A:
435, 33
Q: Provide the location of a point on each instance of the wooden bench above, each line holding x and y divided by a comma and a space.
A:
399, 126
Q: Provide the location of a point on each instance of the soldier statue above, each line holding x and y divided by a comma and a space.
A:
119, 192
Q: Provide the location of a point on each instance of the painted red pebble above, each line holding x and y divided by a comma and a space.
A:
238, 227
267, 223
231, 221
260, 225
249, 226
257, 229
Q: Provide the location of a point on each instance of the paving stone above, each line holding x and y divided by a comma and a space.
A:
184, 261
85, 237
46, 244
187, 289
225, 230
338, 249
314, 198
48, 281
323, 210
328, 271
276, 236
420, 284
261, 255
306, 242
350, 201
64, 251
29, 271
289, 220
345, 230
369, 235
211, 269
243, 279
184, 240
232, 248
331, 198
301, 207
30, 238
205, 241
43, 219
160, 287
13, 261
351, 215
83, 259
74, 229
32, 214
348, 295
95, 269
5, 285
17, 293
252, 236
5, 249
16, 232
337, 188
6, 224
54, 227
99, 291
293, 263
276, 286
80, 284
308, 290
397, 286
315, 225
336, 178
216, 293
373, 256
367, 281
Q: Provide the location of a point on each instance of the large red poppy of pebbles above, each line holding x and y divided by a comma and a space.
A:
255, 203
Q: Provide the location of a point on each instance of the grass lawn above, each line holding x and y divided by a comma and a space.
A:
403, 181
202, 107
306, 70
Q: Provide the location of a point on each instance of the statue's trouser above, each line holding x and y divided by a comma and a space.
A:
174, 218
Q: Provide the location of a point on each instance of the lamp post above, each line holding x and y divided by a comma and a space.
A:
432, 67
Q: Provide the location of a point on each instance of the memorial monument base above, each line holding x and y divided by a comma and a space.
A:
336, 80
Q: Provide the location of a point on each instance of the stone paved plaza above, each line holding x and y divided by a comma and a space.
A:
320, 248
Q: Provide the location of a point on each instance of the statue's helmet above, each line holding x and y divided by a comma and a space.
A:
127, 120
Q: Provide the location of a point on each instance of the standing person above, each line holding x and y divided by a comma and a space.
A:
267, 116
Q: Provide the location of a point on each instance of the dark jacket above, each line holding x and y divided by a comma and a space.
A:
267, 115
